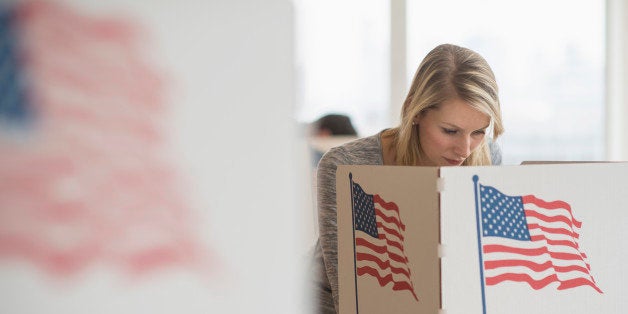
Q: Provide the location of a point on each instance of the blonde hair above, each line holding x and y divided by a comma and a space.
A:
447, 72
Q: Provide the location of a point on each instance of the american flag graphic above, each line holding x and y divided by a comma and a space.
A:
379, 241
85, 176
526, 239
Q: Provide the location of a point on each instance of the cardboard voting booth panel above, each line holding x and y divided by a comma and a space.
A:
509, 239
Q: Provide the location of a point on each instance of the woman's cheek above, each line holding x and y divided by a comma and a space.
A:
443, 142
476, 144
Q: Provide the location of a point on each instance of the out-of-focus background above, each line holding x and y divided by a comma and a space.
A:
148, 157
159, 156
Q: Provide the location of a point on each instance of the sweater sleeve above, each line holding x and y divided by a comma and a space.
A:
327, 217
365, 151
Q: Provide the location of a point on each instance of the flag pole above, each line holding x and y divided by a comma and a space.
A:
477, 224
355, 264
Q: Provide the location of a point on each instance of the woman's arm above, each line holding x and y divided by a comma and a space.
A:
327, 217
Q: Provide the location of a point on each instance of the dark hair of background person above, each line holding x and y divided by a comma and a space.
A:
334, 124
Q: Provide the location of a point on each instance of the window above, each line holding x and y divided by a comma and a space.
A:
342, 61
548, 58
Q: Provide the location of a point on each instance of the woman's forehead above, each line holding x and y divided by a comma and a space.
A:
462, 114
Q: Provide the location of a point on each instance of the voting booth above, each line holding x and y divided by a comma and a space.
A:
546, 238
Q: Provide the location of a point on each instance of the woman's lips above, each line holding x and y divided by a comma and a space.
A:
453, 162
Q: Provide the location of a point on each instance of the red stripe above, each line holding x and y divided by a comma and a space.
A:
550, 205
83, 83
549, 219
399, 245
381, 250
390, 231
542, 283
533, 266
576, 282
535, 284
568, 243
52, 28
387, 205
495, 248
383, 281
383, 265
548, 230
384, 236
45, 255
389, 219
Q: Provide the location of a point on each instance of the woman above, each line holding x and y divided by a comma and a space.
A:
451, 106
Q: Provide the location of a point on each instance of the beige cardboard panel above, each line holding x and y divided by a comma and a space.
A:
414, 191
596, 194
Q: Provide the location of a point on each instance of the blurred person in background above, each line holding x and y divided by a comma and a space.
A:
333, 124
329, 131
450, 117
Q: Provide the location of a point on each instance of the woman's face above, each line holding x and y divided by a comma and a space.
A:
451, 132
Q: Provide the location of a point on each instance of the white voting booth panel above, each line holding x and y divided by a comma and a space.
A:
551, 239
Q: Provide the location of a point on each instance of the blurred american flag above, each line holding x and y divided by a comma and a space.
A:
85, 175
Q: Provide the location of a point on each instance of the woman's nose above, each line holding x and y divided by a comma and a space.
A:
463, 146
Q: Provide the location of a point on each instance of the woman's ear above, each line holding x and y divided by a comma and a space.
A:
416, 119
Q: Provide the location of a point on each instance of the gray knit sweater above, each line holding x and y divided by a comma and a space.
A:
364, 151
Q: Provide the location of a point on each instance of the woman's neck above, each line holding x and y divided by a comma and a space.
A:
388, 150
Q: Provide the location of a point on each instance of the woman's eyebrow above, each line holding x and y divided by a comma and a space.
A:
452, 125
459, 128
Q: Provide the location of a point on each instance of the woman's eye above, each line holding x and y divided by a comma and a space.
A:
449, 131
480, 132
